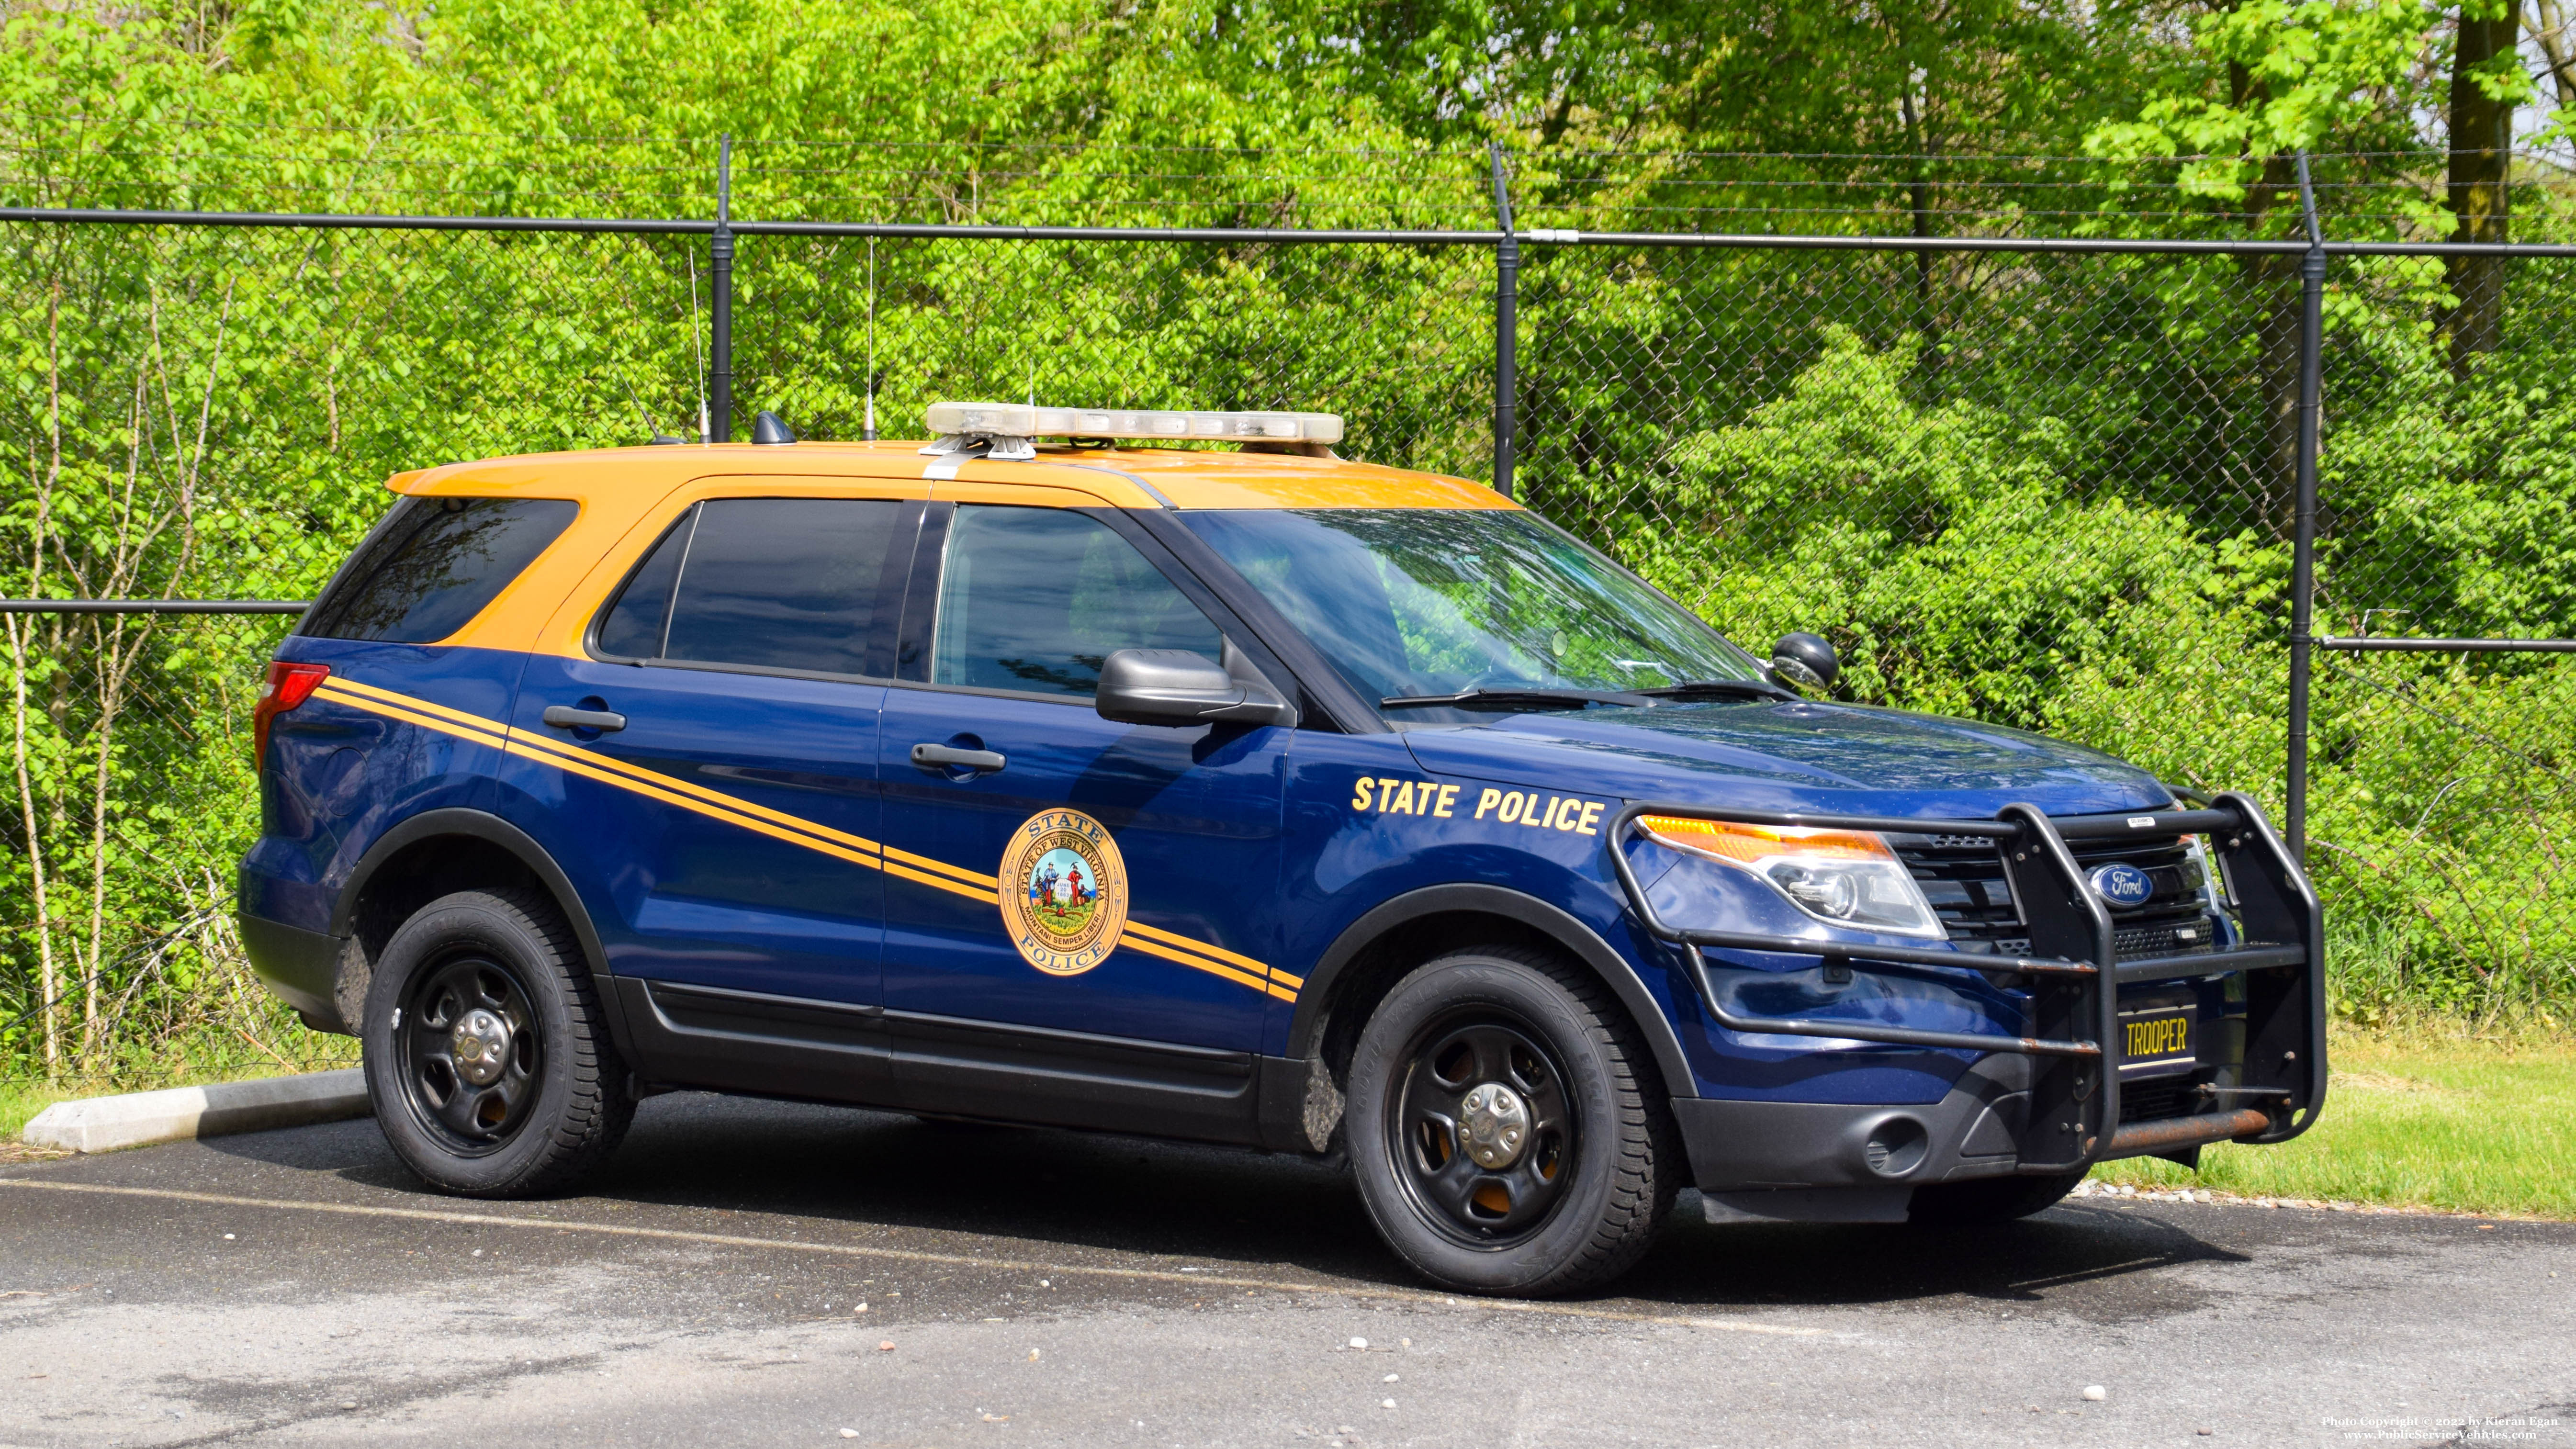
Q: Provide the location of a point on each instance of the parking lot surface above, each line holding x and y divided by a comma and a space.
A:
765, 1273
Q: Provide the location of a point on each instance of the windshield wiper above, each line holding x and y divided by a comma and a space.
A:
1515, 699
1742, 688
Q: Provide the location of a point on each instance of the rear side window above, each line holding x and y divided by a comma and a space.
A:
431, 566
795, 584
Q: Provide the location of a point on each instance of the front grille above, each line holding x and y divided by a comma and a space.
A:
1963, 877
2155, 1101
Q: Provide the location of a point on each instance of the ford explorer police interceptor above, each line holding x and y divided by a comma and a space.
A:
1240, 795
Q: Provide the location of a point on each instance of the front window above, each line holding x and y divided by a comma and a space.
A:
1414, 604
1034, 600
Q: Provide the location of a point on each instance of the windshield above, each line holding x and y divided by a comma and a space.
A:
1416, 602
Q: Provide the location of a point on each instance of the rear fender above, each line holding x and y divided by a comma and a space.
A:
499, 834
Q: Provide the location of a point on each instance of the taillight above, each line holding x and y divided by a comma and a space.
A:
286, 686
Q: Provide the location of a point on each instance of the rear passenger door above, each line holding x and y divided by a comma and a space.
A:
1077, 930
714, 788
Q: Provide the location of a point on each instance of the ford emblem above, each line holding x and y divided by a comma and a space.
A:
2122, 886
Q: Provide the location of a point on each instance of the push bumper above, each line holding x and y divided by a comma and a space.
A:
2062, 1111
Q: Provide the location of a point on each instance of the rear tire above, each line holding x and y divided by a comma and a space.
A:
1987, 1201
1506, 1127
487, 1053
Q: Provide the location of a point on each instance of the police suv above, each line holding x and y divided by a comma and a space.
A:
1233, 794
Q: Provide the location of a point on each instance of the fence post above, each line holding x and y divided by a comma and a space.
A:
2303, 548
1507, 285
720, 253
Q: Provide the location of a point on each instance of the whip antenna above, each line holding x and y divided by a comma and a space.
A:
652, 429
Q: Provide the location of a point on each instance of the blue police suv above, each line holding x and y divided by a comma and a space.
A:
1240, 795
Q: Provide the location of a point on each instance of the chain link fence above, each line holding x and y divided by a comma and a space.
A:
2050, 486
131, 797
1396, 336
2444, 825
2441, 803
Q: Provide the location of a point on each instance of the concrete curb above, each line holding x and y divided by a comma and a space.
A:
102, 1124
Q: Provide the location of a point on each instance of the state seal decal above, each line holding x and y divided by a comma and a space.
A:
1063, 892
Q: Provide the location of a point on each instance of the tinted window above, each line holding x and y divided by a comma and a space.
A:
633, 628
1033, 599
777, 583
432, 564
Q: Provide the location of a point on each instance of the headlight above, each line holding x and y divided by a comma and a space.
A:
1841, 877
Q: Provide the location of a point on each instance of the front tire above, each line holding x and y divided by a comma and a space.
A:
487, 1054
1506, 1128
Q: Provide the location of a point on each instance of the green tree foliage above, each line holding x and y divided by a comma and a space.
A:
2047, 492
1954, 556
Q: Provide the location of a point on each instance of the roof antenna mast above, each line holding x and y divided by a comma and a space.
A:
868, 430
697, 345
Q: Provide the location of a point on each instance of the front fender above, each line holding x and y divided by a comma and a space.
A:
1305, 1030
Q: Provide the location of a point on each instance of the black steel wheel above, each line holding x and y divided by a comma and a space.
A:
1483, 1131
487, 1053
471, 1052
1506, 1125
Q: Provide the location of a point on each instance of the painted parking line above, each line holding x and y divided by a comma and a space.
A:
1412, 1297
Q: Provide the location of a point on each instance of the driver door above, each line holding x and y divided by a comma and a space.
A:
1078, 912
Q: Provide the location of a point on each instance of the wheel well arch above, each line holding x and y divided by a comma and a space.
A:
433, 854
1378, 949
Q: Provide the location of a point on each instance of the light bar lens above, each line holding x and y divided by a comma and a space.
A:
1844, 877
1019, 420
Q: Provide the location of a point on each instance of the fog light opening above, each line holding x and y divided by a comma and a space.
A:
1896, 1146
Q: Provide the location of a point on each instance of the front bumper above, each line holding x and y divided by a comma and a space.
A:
1843, 1162
1738, 1146
2064, 1112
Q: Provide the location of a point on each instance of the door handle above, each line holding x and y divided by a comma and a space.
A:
564, 716
982, 762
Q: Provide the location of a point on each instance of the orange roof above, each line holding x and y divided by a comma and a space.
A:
628, 494
1117, 477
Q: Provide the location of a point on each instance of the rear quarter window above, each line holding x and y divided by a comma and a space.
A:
431, 566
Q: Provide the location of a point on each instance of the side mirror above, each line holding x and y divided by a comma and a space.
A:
1805, 660
1179, 687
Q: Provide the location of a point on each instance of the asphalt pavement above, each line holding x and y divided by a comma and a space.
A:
764, 1273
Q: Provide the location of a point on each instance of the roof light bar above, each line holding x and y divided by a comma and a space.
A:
1018, 420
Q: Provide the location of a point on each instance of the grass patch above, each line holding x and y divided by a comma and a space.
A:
2415, 1120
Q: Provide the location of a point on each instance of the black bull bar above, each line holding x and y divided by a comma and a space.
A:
2074, 972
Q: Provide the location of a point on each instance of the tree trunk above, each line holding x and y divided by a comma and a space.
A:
2551, 32
2272, 289
2481, 139
46, 991
2273, 282
1920, 189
